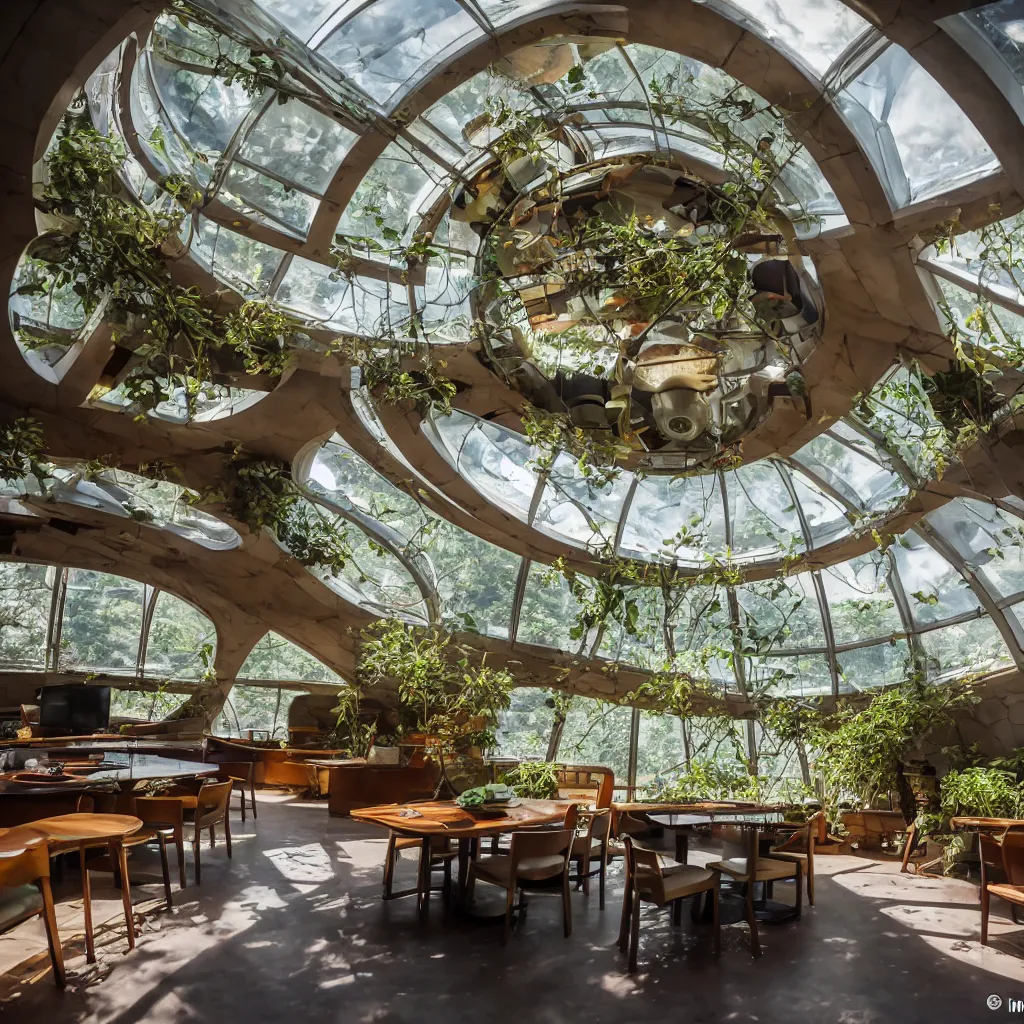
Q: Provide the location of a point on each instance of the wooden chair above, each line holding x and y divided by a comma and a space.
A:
592, 845
211, 810
653, 878
25, 867
536, 856
166, 816
766, 870
1006, 856
440, 858
799, 848
241, 774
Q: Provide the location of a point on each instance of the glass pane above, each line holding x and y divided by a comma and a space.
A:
268, 201
246, 265
972, 646
572, 509
860, 603
826, 519
303, 17
681, 518
297, 143
177, 634
102, 623
524, 729
765, 522
25, 593
549, 611
262, 708
868, 667
645, 647
660, 749
989, 540
46, 320
803, 675
813, 32
390, 41
597, 733
275, 658
142, 705
784, 613
935, 590
916, 136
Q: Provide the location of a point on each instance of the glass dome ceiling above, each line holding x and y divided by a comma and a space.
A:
371, 145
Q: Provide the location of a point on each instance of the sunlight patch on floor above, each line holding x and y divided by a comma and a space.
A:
308, 865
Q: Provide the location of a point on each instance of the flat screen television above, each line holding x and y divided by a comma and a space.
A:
74, 708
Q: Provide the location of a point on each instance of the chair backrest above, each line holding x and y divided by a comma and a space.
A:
643, 871
159, 810
238, 770
27, 861
212, 802
599, 824
535, 843
595, 782
1013, 857
572, 813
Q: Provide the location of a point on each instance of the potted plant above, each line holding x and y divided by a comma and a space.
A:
534, 780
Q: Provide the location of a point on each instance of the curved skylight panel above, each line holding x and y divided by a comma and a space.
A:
975, 646
812, 33
919, 141
548, 612
475, 580
391, 194
495, 460
962, 259
826, 519
575, 510
699, 617
238, 261
789, 614
1007, 327
389, 45
444, 301
860, 603
500, 12
523, 729
268, 201
675, 518
374, 579
176, 638
645, 646
935, 589
46, 319
990, 541
867, 668
762, 512
212, 403
796, 675
994, 36
304, 18
839, 459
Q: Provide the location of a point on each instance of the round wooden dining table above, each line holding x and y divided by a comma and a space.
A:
65, 832
445, 818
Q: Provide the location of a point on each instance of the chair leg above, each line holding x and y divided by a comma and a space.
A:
634, 932
715, 923
196, 858
677, 913
241, 797
799, 884
213, 836
627, 912
179, 846
227, 835
252, 798
389, 866
52, 937
566, 907
165, 866
602, 873
510, 897
810, 882
984, 913
755, 943
119, 856
90, 949
423, 880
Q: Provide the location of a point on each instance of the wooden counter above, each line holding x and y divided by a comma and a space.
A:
367, 785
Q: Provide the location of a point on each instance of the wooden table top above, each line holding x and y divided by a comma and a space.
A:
15, 841
986, 823
79, 827
445, 817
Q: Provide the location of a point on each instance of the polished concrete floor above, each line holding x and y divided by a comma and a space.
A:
293, 928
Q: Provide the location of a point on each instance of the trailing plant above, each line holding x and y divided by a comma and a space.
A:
596, 453
454, 695
386, 371
535, 780
261, 493
113, 252
861, 750
22, 446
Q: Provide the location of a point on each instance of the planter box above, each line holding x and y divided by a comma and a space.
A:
366, 785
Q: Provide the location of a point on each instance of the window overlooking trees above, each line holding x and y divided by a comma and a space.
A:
275, 658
